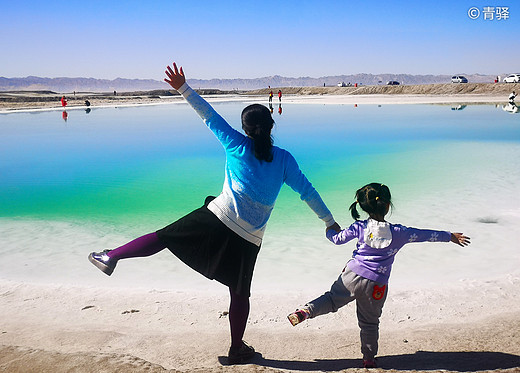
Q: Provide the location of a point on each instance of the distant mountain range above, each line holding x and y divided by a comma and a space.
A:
63, 85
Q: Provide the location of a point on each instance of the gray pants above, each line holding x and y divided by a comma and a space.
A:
370, 298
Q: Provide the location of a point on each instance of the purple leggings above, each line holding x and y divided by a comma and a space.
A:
146, 245
149, 244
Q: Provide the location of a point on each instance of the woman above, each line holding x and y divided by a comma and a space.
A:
221, 239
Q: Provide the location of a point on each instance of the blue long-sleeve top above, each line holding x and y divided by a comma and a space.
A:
251, 186
378, 243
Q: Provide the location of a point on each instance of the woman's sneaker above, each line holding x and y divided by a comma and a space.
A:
103, 261
298, 316
240, 355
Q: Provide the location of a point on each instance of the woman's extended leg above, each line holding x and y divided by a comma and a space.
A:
146, 245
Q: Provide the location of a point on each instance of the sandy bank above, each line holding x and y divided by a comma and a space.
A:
489, 89
56, 328
423, 94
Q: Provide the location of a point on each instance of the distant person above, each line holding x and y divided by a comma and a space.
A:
271, 96
115, 93
512, 97
221, 239
87, 103
365, 276
279, 96
63, 101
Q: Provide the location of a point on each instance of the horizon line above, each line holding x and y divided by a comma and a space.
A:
262, 77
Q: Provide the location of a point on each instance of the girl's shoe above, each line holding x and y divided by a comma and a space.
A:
240, 355
103, 261
369, 363
298, 316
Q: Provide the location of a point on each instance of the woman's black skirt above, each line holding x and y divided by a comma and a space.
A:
204, 243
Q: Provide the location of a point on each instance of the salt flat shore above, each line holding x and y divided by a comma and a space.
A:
418, 94
465, 327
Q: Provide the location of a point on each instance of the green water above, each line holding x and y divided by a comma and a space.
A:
156, 163
103, 178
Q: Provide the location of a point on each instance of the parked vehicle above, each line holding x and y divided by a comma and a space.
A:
392, 82
458, 107
512, 78
459, 79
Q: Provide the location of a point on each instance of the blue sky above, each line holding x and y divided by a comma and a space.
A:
249, 39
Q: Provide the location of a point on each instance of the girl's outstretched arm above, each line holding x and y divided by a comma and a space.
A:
175, 78
460, 239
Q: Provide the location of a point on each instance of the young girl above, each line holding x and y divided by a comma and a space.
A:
365, 277
221, 239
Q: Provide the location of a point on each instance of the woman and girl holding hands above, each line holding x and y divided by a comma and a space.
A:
221, 239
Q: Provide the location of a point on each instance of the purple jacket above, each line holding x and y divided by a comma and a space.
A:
378, 242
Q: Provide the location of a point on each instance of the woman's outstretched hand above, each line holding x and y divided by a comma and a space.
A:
335, 227
175, 78
460, 239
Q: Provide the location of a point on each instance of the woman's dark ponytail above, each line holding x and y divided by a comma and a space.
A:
257, 122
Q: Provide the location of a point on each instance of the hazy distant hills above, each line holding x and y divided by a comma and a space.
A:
34, 83
364, 79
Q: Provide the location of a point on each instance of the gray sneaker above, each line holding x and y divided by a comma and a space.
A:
103, 261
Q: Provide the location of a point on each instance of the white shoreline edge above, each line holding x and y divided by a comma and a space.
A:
297, 99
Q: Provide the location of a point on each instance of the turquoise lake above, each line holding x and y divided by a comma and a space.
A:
102, 178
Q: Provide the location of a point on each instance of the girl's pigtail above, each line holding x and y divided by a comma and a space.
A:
353, 211
373, 198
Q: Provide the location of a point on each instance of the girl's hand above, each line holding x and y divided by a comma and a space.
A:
460, 239
175, 78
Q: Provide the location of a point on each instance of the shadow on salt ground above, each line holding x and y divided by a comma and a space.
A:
421, 360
